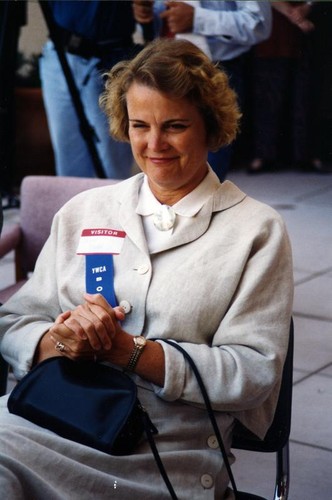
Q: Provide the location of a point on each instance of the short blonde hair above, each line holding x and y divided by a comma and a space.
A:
181, 70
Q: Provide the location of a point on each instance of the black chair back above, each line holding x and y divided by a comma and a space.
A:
3, 376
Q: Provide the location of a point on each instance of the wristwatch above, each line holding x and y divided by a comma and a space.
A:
139, 344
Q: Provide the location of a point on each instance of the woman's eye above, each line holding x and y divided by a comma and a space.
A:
176, 126
138, 125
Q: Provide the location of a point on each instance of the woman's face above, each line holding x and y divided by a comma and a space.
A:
168, 139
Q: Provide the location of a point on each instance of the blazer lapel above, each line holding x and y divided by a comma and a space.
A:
129, 219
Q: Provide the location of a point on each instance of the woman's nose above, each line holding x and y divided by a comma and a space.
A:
157, 141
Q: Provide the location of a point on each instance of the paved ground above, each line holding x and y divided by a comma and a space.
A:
305, 202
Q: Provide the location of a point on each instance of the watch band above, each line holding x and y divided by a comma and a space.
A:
139, 344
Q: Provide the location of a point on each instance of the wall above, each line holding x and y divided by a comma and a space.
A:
33, 149
34, 34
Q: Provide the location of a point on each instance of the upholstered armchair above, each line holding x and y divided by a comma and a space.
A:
41, 197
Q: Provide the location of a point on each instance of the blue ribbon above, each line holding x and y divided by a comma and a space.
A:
99, 276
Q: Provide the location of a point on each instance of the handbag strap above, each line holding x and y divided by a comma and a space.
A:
149, 434
209, 409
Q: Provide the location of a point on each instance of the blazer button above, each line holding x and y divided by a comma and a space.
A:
126, 306
212, 442
207, 481
143, 269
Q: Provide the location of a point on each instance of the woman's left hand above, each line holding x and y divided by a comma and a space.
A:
89, 328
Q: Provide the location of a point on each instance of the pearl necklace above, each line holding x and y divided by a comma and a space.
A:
164, 218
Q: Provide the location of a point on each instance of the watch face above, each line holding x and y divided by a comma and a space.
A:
140, 341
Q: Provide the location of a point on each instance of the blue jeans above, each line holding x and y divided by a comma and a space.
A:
72, 157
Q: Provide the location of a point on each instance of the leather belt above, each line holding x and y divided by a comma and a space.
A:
80, 46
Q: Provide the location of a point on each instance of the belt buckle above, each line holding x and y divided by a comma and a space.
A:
80, 46
74, 43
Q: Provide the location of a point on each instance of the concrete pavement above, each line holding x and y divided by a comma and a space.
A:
305, 202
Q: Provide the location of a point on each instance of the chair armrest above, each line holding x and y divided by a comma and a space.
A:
9, 240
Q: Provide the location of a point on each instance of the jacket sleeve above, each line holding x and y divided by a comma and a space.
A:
249, 24
243, 364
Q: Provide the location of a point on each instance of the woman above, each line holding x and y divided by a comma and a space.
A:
195, 261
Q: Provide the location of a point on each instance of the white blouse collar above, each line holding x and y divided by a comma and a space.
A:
188, 206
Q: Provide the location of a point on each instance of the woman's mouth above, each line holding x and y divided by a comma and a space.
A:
161, 160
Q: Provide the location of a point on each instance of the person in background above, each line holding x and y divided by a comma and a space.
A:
280, 75
96, 35
320, 46
224, 30
199, 262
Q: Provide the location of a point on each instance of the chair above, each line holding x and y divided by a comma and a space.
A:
3, 376
41, 197
277, 437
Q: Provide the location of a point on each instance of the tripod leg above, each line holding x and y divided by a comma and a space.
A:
85, 127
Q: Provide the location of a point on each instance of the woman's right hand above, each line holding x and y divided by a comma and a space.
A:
95, 322
83, 331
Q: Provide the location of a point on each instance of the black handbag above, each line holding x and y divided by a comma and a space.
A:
91, 403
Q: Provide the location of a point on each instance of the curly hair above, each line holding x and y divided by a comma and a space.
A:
181, 70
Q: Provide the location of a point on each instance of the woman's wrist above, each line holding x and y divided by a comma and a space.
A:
120, 351
45, 349
150, 364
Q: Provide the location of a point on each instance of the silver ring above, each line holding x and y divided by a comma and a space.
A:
59, 346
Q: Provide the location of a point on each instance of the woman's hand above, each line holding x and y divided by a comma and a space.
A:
94, 320
92, 331
87, 330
